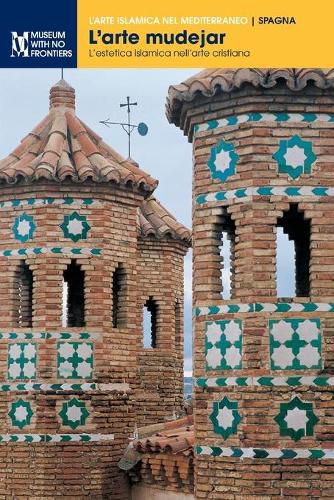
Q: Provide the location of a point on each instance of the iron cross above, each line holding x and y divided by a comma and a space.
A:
129, 127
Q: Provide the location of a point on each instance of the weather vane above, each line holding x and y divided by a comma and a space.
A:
128, 127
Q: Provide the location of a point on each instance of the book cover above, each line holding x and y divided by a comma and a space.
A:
166, 250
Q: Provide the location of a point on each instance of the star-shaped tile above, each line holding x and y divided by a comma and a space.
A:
75, 227
296, 419
24, 228
222, 161
225, 417
295, 157
20, 413
74, 413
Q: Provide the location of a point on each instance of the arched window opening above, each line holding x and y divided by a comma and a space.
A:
74, 296
178, 329
118, 297
24, 296
150, 323
293, 257
226, 251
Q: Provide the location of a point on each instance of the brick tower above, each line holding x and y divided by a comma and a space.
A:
263, 148
84, 249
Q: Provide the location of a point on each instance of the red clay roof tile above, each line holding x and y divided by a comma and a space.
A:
62, 131
176, 437
155, 220
62, 147
210, 81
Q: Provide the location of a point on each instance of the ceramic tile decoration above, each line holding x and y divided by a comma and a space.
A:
22, 361
75, 227
296, 419
270, 453
225, 417
24, 228
264, 117
75, 360
295, 157
266, 381
33, 251
74, 413
278, 307
244, 194
295, 344
54, 438
223, 345
20, 413
222, 161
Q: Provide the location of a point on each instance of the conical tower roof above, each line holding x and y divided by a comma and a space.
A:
63, 148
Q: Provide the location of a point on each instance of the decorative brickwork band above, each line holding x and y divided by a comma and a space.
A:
244, 194
38, 202
265, 381
49, 335
232, 120
278, 307
54, 438
33, 251
85, 387
270, 453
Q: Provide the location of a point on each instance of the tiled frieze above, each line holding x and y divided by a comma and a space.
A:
50, 201
269, 453
265, 307
33, 251
292, 193
233, 120
265, 381
54, 438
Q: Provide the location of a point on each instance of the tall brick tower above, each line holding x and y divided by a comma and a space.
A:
263, 148
84, 249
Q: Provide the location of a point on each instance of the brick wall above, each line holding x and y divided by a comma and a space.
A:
160, 370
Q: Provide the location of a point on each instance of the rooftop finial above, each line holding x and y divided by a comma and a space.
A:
62, 95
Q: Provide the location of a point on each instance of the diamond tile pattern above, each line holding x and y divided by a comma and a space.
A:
295, 344
22, 361
75, 360
223, 345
